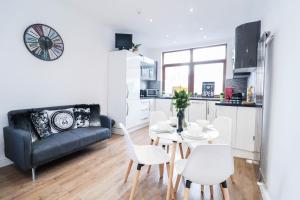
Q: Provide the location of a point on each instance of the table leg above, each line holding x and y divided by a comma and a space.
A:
173, 151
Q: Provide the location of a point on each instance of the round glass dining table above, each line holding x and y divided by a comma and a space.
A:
208, 135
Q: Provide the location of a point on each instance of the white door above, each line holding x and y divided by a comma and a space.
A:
246, 128
231, 112
165, 106
197, 110
211, 110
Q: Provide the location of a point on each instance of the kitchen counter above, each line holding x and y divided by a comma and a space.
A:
192, 98
238, 105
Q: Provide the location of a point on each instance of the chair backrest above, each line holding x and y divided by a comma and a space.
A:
130, 145
157, 116
224, 126
209, 164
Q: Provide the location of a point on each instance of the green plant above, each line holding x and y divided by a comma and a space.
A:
181, 99
135, 47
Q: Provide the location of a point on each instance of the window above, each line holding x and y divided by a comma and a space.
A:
172, 78
191, 67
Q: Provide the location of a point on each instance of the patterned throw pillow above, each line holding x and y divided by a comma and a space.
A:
61, 120
41, 124
82, 117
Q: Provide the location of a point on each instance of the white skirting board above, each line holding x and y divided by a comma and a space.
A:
4, 162
245, 154
120, 132
264, 191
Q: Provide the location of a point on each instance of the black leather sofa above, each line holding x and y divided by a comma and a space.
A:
29, 155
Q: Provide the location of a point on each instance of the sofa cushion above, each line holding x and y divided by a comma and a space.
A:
61, 120
41, 124
82, 117
61, 144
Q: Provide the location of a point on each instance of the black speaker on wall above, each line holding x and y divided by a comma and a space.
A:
246, 44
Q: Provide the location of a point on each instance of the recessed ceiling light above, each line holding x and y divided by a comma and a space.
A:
204, 37
167, 36
150, 20
174, 41
201, 28
191, 10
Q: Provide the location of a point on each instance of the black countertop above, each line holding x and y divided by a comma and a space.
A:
239, 105
192, 98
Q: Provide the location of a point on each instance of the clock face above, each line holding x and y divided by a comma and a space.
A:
43, 42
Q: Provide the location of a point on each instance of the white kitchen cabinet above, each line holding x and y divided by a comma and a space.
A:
246, 129
133, 113
197, 110
211, 111
133, 82
166, 106
152, 105
124, 104
229, 111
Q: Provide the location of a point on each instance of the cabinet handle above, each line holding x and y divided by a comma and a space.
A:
127, 91
208, 109
127, 108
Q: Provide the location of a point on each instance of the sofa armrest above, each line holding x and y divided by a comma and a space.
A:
106, 122
17, 147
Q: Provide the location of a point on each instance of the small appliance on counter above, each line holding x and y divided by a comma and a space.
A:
228, 93
149, 93
236, 98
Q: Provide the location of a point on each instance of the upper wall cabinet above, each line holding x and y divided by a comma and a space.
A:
246, 43
148, 69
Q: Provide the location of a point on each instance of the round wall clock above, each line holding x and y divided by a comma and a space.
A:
43, 42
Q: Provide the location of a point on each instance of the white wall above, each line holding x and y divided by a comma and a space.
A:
79, 76
281, 162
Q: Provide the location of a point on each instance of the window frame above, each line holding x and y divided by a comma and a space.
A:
192, 64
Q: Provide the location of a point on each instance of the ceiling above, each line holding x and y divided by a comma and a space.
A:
163, 23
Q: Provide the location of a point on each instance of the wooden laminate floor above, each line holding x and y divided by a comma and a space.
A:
98, 173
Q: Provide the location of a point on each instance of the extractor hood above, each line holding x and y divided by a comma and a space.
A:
246, 44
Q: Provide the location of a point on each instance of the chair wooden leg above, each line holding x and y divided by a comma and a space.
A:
168, 148
232, 179
225, 192
187, 190
188, 152
177, 183
128, 170
161, 170
172, 188
135, 182
181, 150
211, 189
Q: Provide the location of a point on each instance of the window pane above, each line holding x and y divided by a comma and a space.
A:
177, 57
209, 73
209, 53
176, 77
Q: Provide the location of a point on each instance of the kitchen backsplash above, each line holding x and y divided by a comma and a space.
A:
238, 84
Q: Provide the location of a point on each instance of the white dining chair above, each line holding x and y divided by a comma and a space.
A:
143, 155
208, 164
224, 126
155, 117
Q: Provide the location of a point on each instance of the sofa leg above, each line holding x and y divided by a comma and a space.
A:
33, 174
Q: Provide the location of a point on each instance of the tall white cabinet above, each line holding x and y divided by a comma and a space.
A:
124, 104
